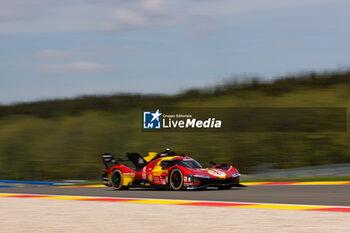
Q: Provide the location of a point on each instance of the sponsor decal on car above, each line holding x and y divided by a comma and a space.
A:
156, 179
215, 172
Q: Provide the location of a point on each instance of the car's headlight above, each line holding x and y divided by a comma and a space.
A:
235, 174
201, 176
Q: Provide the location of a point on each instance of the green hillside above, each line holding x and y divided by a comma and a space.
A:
60, 139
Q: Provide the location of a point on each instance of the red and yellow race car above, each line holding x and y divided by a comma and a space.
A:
166, 170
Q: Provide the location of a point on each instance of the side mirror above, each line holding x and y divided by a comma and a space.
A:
212, 163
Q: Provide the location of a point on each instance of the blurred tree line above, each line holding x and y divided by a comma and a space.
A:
60, 139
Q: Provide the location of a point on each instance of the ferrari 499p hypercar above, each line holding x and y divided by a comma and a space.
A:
166, 170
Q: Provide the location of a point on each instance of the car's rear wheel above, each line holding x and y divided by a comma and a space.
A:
176, 179
117, 180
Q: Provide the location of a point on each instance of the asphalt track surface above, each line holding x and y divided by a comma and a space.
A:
334, 195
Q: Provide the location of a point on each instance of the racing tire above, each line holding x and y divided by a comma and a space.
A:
176, 179
117, 180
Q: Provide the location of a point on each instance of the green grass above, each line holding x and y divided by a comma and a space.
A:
64, 139
86, 183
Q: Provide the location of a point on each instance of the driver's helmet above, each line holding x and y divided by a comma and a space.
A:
166, 152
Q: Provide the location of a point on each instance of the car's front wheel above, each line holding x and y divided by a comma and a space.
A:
117, 180
176, 179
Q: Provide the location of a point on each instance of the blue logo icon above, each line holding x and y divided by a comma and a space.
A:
151, 120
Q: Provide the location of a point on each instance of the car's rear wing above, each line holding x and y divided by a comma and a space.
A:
109, 161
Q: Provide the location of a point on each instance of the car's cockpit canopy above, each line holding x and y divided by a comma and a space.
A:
189, 163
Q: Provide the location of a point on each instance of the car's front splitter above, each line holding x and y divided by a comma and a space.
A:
195, 187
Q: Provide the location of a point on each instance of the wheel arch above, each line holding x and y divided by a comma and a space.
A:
170, 174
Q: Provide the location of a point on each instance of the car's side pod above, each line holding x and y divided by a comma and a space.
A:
108, 160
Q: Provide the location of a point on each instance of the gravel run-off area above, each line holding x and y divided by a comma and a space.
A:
40, 215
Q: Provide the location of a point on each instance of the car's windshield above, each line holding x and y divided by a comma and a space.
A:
190, 163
